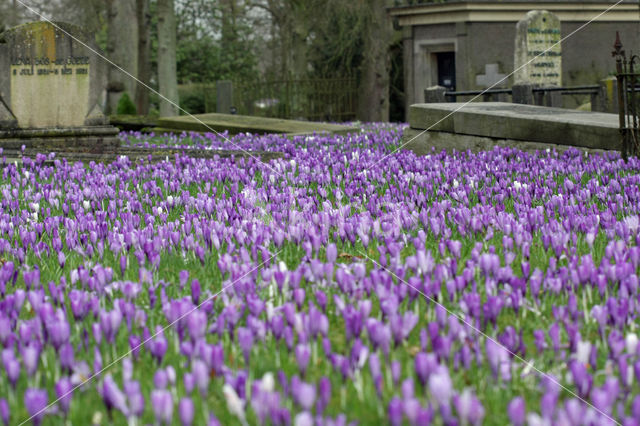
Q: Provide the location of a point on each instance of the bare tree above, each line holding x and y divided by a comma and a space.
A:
167, 73
290, 28
373, 102
144, 55
122, 48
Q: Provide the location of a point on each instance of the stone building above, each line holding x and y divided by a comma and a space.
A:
469, 44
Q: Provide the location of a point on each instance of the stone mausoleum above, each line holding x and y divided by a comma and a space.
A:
468, 45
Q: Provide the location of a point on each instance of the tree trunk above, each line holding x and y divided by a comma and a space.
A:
122, 40
373, 96
12, 20
144, 55
167, 74
299, 50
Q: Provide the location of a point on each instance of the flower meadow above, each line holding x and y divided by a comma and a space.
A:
344, 283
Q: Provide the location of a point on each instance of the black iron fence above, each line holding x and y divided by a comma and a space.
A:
328, 99
313, 99
519, 93
627, 79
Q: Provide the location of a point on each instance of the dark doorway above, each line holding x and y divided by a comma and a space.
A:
447, 69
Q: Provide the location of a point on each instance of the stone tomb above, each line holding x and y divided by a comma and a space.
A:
537, 37
481, 126
51, 91
235, 124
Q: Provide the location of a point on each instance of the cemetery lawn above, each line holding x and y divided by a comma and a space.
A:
345, 282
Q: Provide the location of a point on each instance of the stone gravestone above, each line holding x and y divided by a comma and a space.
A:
538, 32
51, 91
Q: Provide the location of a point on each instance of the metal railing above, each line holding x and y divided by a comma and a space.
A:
628, 80
332, 99
451, 96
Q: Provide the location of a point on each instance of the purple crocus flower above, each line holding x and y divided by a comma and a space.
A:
305, 394
4, 412
401, 326
30, 358
134, 397
11, 366
160, 379
424, 365
66, 357
213, 420
64, 392
189, 382
332, 253
245, 340
36, 401
183, 277
303, 353
396, 369
195, 291
303, 418
469, 408
200, 373
440, 386
581, 378
299, 297
110, 324
324, 394
395, 411
123, 265
158, 345
113, 397
162, 404
186, 411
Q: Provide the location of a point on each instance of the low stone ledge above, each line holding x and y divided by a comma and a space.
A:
425, 143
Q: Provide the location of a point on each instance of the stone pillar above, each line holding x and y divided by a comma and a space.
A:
607, 98
522, 93
224, 96
434, 94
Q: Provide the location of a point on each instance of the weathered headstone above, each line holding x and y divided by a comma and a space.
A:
51, 90
538, 56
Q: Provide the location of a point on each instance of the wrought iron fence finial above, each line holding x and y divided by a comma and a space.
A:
617, 46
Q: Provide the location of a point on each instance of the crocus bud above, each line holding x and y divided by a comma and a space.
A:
36, 400
195, 291
516, 411
185, 410
64, 392
4, 412
303, 354
395, 411
162, 403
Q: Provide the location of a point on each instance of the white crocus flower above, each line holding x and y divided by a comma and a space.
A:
631, 343
234, 403
583, 350
268, 383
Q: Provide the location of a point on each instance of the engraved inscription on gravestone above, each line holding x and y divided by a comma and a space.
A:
537, 37
48, 79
